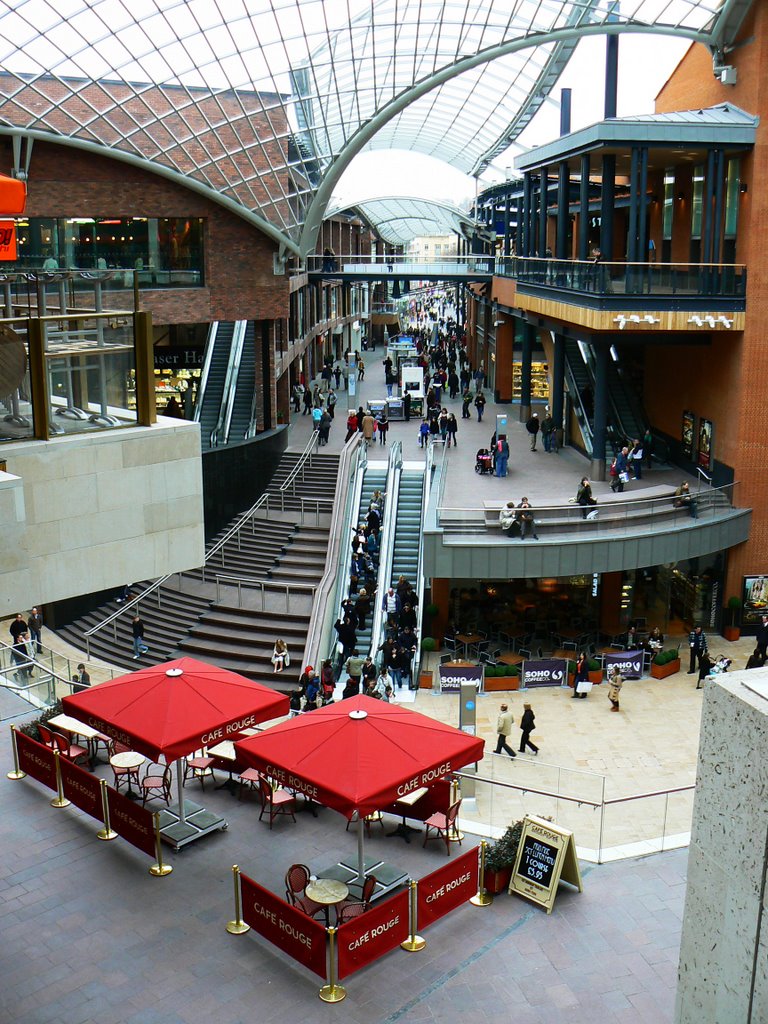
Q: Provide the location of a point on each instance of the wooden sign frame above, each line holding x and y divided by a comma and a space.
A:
545, 857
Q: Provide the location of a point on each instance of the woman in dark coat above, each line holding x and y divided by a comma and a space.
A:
526, 728
582, 675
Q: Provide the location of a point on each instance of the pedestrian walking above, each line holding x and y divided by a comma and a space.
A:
619, 471
697, 641
504, 724
139, 644
532, 426
526, 728
581, 683
382, 426
615, 683
480, 405
502, 456
466, 401
35, 623
451, 428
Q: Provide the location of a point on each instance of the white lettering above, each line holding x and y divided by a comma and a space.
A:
295, 933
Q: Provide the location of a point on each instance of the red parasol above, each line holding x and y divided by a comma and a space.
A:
175, 708
359, 754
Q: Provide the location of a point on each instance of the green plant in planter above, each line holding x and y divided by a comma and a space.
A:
503, 852
664, 657
428, 644
511, 670
30, 728
571, 667
734, 607
592, 665
431, 610
491, 671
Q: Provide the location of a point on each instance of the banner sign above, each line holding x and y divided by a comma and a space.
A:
447, 888
366, 938
630, 663
36, 760
133, 823
452, 676
7, 240
82, 788
301, 937
176, 357
704, 454
686, 443
754, 599
546, 854
544, 672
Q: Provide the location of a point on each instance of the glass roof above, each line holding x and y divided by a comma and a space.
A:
264, 102
398, 219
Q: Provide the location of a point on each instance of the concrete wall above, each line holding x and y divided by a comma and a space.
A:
724, 946
93, 511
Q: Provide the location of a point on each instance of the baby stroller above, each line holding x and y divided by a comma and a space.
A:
483, 461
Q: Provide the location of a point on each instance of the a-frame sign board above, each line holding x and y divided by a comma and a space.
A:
546, 856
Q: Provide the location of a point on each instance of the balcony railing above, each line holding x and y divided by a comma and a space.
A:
679, 280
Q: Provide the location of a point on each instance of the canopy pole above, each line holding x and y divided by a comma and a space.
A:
360, 852
180, 788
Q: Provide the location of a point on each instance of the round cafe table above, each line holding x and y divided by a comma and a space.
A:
327, 891
131, 760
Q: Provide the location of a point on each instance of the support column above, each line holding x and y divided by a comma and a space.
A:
525, 376
507, 226
563, 187
719, 196
524, 230
634, 204
601, 409
606, 207
582, 252
543, 204
558, 381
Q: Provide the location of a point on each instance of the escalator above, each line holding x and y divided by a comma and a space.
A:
405, 553
242, 404
375, 479
208, 409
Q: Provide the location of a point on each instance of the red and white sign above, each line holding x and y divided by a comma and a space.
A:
36, 760
366, 938
7, 240
447, 888
301, 937
82, 788
134, 824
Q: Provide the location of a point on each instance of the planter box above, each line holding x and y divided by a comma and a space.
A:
497, 881
732, 633
596, 677
662, 671
496, 683
425, 681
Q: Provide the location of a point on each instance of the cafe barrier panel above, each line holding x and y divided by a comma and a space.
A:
447, 888
75, 785
301, 937
368, 937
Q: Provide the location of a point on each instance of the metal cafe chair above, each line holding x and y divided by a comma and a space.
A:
296, 879
276, 801
156, 784
442, 824
198, 767
120, 775
72, 751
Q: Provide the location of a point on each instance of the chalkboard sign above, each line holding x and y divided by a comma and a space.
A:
538, 860
546, 856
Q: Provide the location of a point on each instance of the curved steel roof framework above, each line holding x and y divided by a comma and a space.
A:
398, 219
262, 104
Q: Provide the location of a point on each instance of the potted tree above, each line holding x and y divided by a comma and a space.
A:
666, 663
428, 645
595, 671
733, 631
500, 859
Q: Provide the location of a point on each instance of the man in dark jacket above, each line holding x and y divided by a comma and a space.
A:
622, 467
697, 641
139, 646
532, 426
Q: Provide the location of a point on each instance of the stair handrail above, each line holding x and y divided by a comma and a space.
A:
353, 461
209, 347
304, 460
230, 383
587, 432
387, 546
430, 466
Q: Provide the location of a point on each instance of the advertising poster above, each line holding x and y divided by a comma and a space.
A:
544, 672
754, 600
689, 422
452, 676
629, 663
704, 459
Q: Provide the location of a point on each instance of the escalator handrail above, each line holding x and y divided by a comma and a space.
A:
210, 346
320, 629
387, 547
230, 384
430, 466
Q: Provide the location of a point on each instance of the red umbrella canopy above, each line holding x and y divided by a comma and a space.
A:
359, 754
175, 708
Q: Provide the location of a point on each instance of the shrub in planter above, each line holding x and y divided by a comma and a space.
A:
666, 663
511, 670
595, 671
491, 671
431, 610
428, 644
733, 630
500, 858
30, 728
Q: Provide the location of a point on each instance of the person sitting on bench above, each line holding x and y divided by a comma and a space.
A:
683, 498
